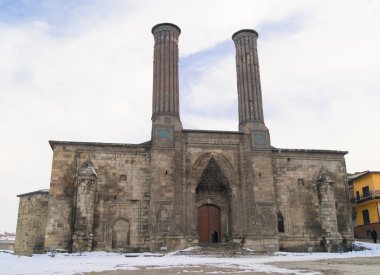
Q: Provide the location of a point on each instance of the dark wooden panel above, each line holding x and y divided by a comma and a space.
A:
208, 220
203, 224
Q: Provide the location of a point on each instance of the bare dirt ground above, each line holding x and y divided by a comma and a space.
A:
367, 266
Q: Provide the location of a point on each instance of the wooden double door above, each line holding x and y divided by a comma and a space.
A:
208, 221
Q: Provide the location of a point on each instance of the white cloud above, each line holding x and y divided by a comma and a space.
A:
213, 88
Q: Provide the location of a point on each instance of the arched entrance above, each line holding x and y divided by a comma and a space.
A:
120, 234
213, 195
209, 223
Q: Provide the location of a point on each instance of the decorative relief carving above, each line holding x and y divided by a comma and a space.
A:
260, 139
163, 218
161, 221
164, 136
213, 180
267, 219
244, 35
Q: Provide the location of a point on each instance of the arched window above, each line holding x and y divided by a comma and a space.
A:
280, 222
120, 234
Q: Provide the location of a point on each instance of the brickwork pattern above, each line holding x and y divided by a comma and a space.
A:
165, 70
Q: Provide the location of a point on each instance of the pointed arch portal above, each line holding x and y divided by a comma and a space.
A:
213, 194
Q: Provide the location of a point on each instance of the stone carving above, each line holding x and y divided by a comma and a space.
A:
213, 180
163, 218
260, 139
84, 211
164, 136
267, 219
330, 236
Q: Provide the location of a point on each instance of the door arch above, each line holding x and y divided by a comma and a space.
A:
120, 234
208, 221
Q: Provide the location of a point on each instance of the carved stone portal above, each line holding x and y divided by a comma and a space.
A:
213, 190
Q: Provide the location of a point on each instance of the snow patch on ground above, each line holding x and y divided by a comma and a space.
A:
366, 246
65, 263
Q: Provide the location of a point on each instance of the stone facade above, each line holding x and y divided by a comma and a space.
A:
31, 222
174, 190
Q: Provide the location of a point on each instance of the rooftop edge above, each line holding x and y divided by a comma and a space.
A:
245, 30
166, 24
52, 142
316, 151
42, 191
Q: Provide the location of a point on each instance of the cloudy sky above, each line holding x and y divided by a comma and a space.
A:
82, 71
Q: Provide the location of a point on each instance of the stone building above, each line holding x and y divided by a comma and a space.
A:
7, 241
176, 189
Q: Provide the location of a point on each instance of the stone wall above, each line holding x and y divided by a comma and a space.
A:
31, 222
296, 174
122, 193
364, 231
7, 245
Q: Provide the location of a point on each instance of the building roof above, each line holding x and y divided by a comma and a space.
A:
42, 191
357, 175
212, 131
7, 241
54, 142
315, 151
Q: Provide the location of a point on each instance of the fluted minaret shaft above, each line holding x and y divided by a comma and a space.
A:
165, 70
248, 77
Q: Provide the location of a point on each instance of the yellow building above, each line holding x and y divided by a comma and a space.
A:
366, 194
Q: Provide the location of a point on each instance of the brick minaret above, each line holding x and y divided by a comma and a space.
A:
165, 75
251, 115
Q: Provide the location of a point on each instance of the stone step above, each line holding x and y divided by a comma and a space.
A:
217, 250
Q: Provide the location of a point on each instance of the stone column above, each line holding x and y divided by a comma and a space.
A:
330, 236
165, 72
84, 208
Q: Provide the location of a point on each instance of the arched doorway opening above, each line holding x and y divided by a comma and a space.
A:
120, 234
209, 223
213, 195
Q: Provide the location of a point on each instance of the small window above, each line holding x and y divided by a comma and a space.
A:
366, 192
300, 182
280, 223
123, 177
357, 195
366, 217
